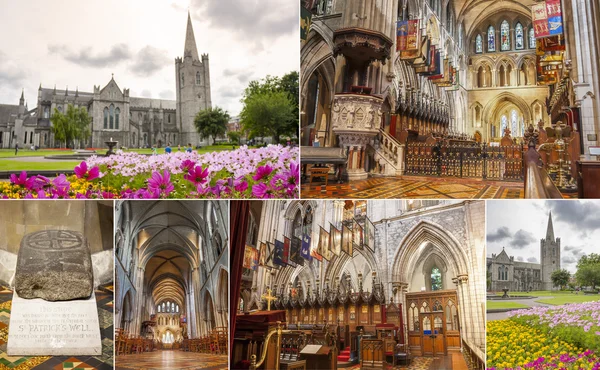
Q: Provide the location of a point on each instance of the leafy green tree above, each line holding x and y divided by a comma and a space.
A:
588, 275
72, 125
234, 137
211, 122
267, 114
560, 278
591, 259
283, 116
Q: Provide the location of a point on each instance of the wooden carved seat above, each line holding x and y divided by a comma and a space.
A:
319, 172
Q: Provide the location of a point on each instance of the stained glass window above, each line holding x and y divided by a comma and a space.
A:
513, 121
491, 38
519, 41
436, 279
504, 36
172, 307
159, 308
531, 38
503, 125
479, 44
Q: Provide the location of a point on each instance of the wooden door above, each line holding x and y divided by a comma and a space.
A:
426, 334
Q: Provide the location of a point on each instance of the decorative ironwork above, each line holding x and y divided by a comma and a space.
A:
465, 160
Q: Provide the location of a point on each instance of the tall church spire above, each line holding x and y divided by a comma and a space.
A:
550, 231
190, 41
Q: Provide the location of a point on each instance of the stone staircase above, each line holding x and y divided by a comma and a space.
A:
388, 155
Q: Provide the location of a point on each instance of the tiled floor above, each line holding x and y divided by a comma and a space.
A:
174, 359
104, 300
453, 361
415, 187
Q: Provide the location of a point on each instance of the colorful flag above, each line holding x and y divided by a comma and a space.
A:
347, 240
271, 253
286, 251
295, 251
278, 260
547, 18
369, 234
305, 251
305, 20
357, 234
413, 38
324, 244
250, 258
335, 237
262, 254
401, 35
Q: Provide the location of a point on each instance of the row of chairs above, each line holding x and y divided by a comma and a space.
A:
215, 342
126, 344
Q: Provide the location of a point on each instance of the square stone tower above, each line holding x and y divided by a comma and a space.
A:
550, 256
192, 76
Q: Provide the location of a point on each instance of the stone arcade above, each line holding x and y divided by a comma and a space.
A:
411, 282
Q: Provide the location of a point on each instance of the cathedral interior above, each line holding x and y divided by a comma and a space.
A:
171, 292
463, 91
332, 284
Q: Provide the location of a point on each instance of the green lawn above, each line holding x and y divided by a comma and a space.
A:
10, 153
496, 305
6, 165
571, 298
543, 293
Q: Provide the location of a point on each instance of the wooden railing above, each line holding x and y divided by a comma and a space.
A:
538, 184
473, 358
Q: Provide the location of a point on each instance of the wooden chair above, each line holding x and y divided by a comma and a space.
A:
319, 172
222, 339
402, 355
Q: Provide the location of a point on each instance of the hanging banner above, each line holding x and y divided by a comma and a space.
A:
357, 234
547, 19
401, 35
271, 253
262, 254
420, 53
369, 235
347, 240
408, 35
286, 251
305, 251
250, 258
305, 20
335, 240
315, 254
324, 244
278, 260
295, 251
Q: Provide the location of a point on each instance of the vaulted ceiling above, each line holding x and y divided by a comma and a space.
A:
473, 12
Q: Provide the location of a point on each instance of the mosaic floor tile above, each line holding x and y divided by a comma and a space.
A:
171, 360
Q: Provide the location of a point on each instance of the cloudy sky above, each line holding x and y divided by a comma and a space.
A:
518, 226
80, 43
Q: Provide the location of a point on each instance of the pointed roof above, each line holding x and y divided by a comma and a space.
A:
22, 100
190, 48
550, 230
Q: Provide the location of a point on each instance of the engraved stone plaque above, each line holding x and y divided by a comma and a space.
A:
64, 328
54, 265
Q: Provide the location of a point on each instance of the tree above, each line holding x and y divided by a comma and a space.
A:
211, 122
591, 259
267, 114
560, 278
72, 125
272, 87
588, 270
234, 137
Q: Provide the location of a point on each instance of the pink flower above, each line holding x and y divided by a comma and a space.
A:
197, 176
187, 165
242, 186
262, 172
261, 191
22, 180
81, 172
161, 184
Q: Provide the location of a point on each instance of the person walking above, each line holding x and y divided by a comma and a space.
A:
168, 149
16, 148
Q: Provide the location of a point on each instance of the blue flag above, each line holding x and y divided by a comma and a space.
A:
305, 251
278, 259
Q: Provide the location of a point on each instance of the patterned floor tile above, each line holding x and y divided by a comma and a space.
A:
171, 360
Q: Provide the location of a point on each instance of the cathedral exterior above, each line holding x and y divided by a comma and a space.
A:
506, 273
132, 121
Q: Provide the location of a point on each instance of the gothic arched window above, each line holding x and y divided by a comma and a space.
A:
111, 114
519, 41
513, 123
163, 305
172, 307
158, 308
117, 113
198, 80
531, 38
105, 117
504, 36
436, 279
503, 124
491, 38
177, 308
479, 44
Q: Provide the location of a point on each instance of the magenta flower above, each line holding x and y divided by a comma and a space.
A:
262, 172
187, 165
161, 184
261, 191
197, 175
81, 172
242, 186
22, 180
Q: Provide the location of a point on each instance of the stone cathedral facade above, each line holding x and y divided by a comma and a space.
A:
132, 121
506, 273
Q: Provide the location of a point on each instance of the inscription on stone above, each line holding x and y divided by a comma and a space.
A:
54, 265
39, 327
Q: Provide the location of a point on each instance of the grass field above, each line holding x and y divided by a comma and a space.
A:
496, 305
564, 299
7, 165
542, 293
10, 153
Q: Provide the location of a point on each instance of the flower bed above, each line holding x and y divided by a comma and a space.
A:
270, 172
561, 337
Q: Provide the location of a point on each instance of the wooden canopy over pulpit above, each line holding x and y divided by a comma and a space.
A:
249, 338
